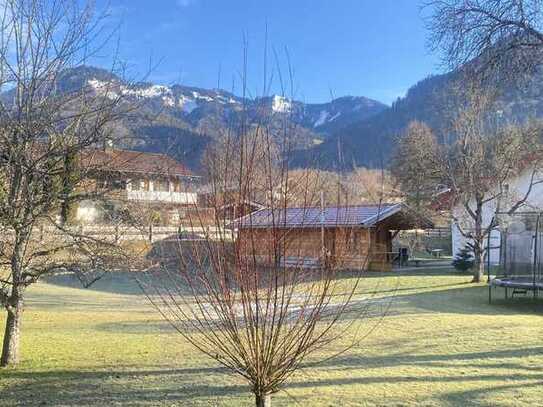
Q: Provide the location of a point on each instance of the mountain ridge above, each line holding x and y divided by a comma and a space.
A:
183, 120
370, 142
346, 132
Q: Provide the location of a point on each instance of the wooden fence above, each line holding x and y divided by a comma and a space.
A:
121, 233
441, 232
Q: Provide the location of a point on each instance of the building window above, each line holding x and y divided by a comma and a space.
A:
115, 184
177, 215
145, 185
161, 185
174, 217
176, 186
135, 184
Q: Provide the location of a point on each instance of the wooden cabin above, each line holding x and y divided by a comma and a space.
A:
351, 237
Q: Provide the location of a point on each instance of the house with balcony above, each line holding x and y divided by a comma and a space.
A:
136, 183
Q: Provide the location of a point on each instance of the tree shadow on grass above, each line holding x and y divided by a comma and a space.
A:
437, 360
114, 282
480, 395
470, 300
116, 387
483, 395
203, 385
465, 369
137, 327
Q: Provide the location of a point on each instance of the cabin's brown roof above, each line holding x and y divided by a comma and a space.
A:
133, 162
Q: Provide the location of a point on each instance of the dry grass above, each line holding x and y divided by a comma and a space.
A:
440, 345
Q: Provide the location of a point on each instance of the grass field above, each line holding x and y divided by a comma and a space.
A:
441, 344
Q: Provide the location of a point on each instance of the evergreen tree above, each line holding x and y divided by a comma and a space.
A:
463, 260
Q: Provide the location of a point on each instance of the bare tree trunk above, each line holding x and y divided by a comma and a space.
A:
14, 305
479, 266
12, 333
478, 252
263, 400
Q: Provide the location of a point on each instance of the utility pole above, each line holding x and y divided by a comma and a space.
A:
323, 248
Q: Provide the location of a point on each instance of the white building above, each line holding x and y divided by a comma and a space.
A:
155, 181
516, 188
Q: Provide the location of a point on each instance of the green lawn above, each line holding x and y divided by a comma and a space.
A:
441, 344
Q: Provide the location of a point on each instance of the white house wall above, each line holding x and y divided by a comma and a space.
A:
87, 212
517, 189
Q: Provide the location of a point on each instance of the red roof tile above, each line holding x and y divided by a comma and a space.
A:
133, 162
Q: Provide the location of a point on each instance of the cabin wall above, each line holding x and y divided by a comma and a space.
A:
345, 248
290, 244
381, 257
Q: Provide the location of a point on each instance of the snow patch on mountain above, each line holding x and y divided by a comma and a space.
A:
103, 88
334, 117
325, 117
168, 101
114, 90
148, 92
187, 104
322, 118
281, 104
196, 95
224, 100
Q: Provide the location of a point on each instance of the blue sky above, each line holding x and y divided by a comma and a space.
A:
374, 48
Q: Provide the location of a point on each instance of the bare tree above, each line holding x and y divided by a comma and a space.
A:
255, 304
476, 165
366, 185
504, 36
45, 136
264, 300
417, 166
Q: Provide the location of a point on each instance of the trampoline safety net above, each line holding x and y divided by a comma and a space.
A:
521, 252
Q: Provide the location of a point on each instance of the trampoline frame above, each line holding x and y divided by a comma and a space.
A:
533, 282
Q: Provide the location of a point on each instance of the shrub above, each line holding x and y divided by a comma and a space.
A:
463, 260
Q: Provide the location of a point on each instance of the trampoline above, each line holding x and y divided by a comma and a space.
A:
520, 268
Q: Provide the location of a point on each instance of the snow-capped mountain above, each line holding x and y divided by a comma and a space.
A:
183, 98
324, 118
183, 119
